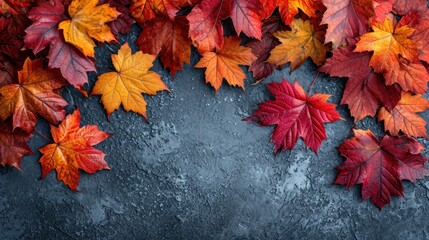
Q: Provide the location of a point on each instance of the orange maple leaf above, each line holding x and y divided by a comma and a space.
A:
129, 82
225, 63
302, 42
72, 150
290, 8
404, 118
88, 21
388, 42
33, 95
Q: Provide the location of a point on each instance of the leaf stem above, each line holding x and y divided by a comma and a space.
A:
312, 83
42, 135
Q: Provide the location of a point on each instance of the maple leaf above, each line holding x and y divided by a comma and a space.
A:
403, 7
404, 118
302, 42
11, 35
388, 42
224, 64
421, 38
43, 32
14, 7
290, 8
365, 90
246, 17
261, 49
33, 95
169, 39
88, 21
146, 10
380, 166
382, 8
124, 21
296, 115
346, 19
8, 72
13, 144
129, 82
73, 150
205, 27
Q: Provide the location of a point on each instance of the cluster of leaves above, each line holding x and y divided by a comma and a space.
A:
380, 46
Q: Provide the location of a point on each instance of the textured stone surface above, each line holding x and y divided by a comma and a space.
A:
198, 172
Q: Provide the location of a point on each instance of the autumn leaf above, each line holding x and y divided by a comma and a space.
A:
346, 19
88, 21
13, 144
146, 10
205, 27
302, 42
169, 39
261, 49
73, 150
33, 95
421, 38
246, 17
124, 21
43, 32
365, 90
404, 118
382, 8
403, 7
129, 82
10, 44
13, 7
380, 165
388, 42
224, 64
8, 72
295, 115
290, 8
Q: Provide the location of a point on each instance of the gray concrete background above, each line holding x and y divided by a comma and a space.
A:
198, 172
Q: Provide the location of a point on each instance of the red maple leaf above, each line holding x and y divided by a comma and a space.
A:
13, 144
380, 165
365, 90
295, 115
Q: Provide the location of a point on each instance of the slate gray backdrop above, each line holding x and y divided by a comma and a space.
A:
198, 172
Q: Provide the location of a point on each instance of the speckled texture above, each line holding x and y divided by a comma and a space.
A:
198, 172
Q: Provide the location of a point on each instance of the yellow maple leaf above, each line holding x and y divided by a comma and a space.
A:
88, 21
388, 43
302, 42
225, 63
129, 82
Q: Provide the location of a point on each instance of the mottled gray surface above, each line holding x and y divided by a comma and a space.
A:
198, 172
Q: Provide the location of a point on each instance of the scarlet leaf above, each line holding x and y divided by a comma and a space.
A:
205, 27
346, 19
365, 90
261, 49
225, 64
382, 8
33, 95
129, 82
13, 144
421, 38
404, 118
43, 32
289, 8
388, 42
88, 21
246, 17
403, 7
295, 115
303, 41
169, 39
72, 150
380, 166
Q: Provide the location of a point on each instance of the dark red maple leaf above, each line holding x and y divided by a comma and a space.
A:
366, 90
403, 7
380, 165
246, 17
295, 115
44, 32
13, 144
11, 36
124, 22
261, 49
8, 72
167, 38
